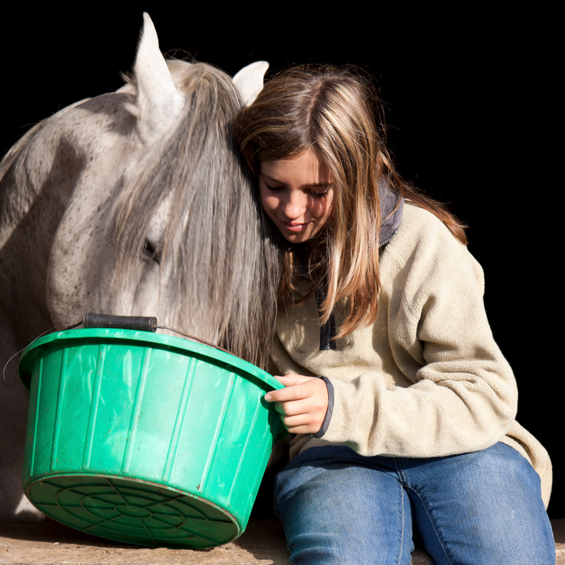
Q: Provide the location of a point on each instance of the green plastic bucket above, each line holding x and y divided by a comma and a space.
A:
145, 438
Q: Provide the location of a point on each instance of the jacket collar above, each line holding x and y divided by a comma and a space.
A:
390, 218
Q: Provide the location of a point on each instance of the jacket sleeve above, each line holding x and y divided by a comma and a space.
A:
462, 394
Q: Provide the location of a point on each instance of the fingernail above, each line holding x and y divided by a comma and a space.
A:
268, 397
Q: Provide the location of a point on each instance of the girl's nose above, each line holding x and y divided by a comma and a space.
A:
295, 205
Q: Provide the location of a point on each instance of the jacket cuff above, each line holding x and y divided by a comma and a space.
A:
329, 411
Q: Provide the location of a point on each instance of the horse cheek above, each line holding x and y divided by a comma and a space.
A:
147, 295
77, 274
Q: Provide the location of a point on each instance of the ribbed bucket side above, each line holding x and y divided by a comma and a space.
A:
115, 410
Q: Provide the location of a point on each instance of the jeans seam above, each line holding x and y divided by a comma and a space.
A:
405, 484
403, 518
432, 522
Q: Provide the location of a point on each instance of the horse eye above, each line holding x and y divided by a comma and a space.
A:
150, 250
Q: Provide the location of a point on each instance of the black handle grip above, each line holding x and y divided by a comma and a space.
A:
143, 323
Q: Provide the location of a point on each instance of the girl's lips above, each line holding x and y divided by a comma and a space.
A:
293, 227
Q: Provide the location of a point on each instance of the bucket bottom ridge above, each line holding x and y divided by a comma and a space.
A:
133, 511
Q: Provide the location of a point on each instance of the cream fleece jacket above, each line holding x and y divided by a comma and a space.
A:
427, 378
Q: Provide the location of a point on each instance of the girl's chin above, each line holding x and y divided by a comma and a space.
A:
296, 238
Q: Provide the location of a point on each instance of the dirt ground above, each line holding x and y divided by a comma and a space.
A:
50, 543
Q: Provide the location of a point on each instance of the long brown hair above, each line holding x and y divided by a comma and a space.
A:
336, 111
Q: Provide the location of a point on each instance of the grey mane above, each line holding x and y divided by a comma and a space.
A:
219, 265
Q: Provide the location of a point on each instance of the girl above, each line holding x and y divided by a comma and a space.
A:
401, 403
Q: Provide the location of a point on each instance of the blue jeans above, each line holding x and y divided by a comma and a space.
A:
481, 508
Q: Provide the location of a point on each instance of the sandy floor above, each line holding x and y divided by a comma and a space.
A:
49, 543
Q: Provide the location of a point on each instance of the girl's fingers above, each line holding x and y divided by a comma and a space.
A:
296, 387
300, 425
292, 379
286, 394
302, 404
293, 408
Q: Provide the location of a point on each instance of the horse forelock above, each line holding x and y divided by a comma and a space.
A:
215, 263
198, 136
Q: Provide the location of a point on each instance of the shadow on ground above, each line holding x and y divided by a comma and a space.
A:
48, 542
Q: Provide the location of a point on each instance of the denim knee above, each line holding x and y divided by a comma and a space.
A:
481, 507
337, 511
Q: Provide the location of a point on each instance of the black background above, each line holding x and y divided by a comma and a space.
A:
468, 105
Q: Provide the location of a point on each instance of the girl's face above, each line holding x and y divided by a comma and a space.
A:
297, 194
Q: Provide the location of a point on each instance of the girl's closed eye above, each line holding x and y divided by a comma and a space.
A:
274, 188
320, 193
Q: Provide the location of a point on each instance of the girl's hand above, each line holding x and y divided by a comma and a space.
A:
302, 404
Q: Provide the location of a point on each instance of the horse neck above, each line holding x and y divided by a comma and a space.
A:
51, 165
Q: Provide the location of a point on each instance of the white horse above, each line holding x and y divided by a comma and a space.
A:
132, 203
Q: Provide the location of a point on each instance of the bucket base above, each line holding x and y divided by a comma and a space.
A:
133, 511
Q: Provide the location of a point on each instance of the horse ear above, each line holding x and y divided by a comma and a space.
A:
249, 80
159, 102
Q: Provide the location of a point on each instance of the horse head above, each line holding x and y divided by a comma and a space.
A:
164, 220
135, 203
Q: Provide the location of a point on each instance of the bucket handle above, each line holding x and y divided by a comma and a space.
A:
143, 323
140, 323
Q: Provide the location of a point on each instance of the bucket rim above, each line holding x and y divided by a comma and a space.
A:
184, 346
